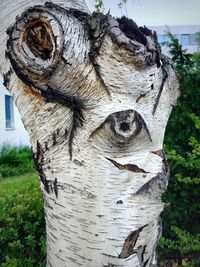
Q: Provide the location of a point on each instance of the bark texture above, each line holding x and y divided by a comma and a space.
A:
95, 94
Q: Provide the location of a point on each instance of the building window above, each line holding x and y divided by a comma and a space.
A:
185, 39
163, 39
193, 39
9, 112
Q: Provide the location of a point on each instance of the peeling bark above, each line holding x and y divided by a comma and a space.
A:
129, 167
95, 94
129, 244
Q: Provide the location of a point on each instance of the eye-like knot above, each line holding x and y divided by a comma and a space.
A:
35, 43
39, 39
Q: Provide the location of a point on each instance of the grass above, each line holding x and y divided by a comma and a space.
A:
19, 181
22, 226
15, 161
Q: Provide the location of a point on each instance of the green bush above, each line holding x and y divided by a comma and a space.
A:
22, 226
184, 249
181, 217
15, 161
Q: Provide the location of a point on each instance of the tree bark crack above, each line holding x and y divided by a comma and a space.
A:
128, 167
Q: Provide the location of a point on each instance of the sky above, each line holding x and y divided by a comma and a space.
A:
156, 12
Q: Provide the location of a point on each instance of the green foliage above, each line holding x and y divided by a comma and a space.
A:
99, 4
184, 248
182, 215
15, 161
22, 234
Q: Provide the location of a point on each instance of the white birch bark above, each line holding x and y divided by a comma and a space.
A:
95, 95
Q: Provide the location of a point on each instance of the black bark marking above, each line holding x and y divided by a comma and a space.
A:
6, 77
166, 168
50, 264
129, 244
55, 184
140, 97
128, 167
98, 25
75, 104
111, 265
66, 133
165, 76
143, 95
100, 215
98, 73
54, 138
146, 262
46, 146
66, 62
79, 163
143, 252
119, 201
38, 158
60, 258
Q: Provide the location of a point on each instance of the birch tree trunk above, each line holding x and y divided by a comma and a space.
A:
95, 94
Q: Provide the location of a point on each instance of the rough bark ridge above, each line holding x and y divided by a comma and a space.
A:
95, 94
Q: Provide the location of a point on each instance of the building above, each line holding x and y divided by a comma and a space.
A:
186, 34
12, 131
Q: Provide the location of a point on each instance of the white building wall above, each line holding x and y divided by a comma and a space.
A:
178, 30
16, 136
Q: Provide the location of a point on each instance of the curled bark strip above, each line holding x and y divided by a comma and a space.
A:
129, 244
158, 153
128, 167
